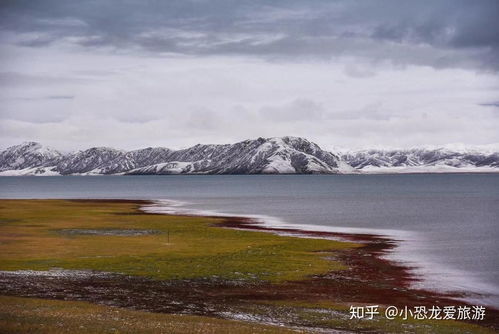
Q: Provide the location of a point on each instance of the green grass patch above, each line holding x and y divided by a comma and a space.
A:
32, 237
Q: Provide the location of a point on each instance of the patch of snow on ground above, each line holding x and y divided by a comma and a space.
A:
56, 273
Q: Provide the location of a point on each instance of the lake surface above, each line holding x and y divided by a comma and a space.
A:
448, 224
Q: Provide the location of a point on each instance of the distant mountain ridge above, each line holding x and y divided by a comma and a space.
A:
429, 160
286, 155
279, 155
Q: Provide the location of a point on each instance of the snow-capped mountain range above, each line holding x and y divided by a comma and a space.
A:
282, 155
422, 160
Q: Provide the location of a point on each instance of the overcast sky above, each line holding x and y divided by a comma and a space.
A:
349, 74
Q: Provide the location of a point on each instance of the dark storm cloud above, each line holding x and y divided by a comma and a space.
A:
454, 33
50, 97
16, 79
490, 104
60, 97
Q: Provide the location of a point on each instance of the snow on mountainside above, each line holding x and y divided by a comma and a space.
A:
284, 155
31, 171
28, 155
289, 155
422, 160
96, 160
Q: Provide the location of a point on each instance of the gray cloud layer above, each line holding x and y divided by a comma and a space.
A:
351, 73
438, 33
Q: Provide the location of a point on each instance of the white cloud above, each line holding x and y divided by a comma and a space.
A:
133, 100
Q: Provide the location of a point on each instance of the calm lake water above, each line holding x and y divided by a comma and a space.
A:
448, 224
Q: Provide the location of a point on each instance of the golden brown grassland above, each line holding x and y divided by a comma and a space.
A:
34, 235
30, 315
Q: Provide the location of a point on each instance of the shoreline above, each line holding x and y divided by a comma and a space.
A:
401, 242
376, 247
369, 279
10, 173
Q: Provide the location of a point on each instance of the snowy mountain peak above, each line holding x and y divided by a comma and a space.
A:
28, 154
28, 146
